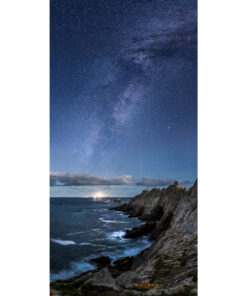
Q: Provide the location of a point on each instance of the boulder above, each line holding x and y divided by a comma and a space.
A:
127, 279
101, 262
117, 200
103, 278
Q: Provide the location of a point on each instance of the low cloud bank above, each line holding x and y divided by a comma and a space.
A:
155, 182
67, 179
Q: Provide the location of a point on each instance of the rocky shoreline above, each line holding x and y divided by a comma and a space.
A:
167, 267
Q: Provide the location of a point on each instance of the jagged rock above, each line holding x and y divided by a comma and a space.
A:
140, 230
170, 263
103, 278
127, 279
173, 256
155, 214
123, 208
123, 263
117, 200
101, 262
162, 226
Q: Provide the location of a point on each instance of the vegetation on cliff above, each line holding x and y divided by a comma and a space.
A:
167, 267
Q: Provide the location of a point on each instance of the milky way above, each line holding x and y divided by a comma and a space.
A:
124, 88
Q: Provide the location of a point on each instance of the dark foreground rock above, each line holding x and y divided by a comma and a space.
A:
168, 267
101, 262
141, 230
123, 263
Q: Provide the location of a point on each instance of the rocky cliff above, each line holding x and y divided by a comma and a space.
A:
168, 267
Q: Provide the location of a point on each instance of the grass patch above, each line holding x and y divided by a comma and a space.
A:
79, 287
161, 268
69, 288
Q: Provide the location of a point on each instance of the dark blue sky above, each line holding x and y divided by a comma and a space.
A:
123, 91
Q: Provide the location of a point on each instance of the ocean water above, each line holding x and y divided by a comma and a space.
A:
84, 228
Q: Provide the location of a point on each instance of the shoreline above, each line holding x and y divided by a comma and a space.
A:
167, 267
73, 273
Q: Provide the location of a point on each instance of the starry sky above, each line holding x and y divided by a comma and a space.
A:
123, 95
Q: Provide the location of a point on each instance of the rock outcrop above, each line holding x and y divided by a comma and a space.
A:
169, 265
101, 262
103, 278
141, 230
117, 200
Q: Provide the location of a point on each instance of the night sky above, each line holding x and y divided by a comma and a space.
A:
123, 95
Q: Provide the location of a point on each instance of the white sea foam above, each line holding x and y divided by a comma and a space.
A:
67, 242
111, 221
63, 242
116, 235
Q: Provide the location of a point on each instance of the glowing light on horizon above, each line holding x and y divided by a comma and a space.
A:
99, 194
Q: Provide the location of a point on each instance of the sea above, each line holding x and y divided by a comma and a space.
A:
85, 228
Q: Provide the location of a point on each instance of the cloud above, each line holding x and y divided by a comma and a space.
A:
186, 182
160, 182
67, 179
155, 182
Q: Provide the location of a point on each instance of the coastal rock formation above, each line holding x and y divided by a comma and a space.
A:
169, 265
101, 262
123, 263
117, 200
103, 278
140, 230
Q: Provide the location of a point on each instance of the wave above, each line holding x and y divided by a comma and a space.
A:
116, 235
63, 242
111, 221
68, 242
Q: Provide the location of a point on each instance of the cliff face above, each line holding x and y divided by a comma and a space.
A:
169, 266
173, 256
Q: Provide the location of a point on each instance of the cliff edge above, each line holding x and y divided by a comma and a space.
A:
167, 267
